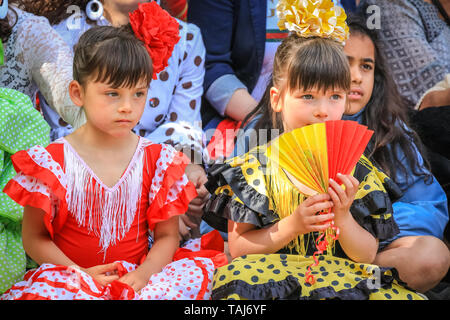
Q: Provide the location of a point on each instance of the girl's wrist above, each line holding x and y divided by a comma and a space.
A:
342, 219
144, 274
80, 268
144, 271
293, 225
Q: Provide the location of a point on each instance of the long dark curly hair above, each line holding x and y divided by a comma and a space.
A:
54, 10
387, 115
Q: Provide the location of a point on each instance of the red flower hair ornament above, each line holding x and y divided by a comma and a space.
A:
158, 30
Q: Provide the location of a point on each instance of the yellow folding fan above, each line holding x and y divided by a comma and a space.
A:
313, 154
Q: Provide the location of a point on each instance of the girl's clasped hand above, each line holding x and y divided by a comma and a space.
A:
332, 205
343, 197
105, 274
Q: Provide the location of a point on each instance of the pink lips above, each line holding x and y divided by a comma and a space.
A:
355, 94
123, 122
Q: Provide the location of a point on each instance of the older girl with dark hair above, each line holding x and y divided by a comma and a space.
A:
417, 252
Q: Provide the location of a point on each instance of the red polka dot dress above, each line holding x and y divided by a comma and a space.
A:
94, 224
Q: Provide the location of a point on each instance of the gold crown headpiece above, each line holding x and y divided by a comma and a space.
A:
313, 18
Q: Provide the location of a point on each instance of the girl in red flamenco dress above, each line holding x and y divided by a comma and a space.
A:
92, 198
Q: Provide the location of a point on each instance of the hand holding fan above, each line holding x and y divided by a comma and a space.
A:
313, 154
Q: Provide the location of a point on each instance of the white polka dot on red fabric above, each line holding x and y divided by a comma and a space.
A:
50, 164
180, 279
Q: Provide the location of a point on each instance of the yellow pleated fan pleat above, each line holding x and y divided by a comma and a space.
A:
303, 153
284, 199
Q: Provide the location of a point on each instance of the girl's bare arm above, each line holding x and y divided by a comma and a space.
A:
244, 238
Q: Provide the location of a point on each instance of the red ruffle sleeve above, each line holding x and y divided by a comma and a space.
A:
171, 191
39, 183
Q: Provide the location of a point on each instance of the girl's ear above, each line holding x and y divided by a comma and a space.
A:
275, 99
76, 93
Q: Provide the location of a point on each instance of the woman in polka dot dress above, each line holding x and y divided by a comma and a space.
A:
92, 197
271, 217
21, 127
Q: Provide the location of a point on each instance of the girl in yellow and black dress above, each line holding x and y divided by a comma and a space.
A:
271, 217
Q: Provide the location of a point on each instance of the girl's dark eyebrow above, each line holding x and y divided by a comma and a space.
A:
368, 60
363, 59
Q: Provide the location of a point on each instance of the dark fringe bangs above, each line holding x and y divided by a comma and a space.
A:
319, 64
113, 56
121, 64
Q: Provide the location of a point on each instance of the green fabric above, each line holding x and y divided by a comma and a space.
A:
8, 208
12, 256
21, 127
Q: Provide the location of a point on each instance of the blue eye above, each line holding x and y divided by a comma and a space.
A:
336, 97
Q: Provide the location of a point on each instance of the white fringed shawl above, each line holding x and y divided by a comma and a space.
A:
107, 212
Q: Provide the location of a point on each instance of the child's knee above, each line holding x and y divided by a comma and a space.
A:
434, 258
